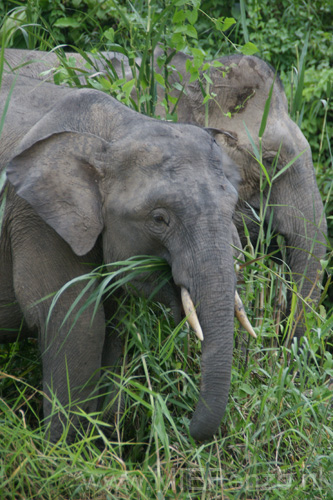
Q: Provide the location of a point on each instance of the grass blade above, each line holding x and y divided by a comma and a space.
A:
297, 102
266, 109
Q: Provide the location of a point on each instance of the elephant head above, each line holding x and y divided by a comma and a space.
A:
89, 166
293, 205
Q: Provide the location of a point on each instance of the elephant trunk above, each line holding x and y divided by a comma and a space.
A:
305, 268
303, 224
212, 290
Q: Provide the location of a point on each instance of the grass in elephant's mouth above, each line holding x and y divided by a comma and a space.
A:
274, 439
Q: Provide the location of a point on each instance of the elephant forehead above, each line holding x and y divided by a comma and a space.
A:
166, 137
169, 159
187, 193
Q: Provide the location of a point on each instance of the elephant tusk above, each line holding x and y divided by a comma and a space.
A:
236, 264
190, 313
241, 316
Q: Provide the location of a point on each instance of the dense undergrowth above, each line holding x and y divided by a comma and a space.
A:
275, 440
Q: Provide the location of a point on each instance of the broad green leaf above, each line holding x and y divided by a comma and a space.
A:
197, 62
187, 30
216, 64
248, 49
198, 52
179, 16
159, 78
67, 22
224, 23
188, 65
178, 86
178, 41
109, 34
106, 84
194, 75
72, 61
128, 86
247, 389
192, 16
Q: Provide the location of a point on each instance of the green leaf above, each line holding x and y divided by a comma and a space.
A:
198, 57
67, 22
187, 30
194, 75
247, 389
72, 61
188, 65
217, 64
178, 41
128, 86
198, 52
224, 23
179, 16
207, 78
109, 34
177, 86
192, 16
248, 49
191, 31
106, 84
159, 78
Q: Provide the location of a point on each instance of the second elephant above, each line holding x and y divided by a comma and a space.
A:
292, 205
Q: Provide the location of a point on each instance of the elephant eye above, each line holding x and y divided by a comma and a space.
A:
160, 216
159, 219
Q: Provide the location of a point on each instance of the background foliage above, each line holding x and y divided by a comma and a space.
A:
280, 29
276, 437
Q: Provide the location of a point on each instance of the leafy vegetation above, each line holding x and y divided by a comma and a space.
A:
275, 438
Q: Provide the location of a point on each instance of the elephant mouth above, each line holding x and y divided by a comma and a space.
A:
194, 322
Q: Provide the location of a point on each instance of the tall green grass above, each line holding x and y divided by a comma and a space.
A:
275, 440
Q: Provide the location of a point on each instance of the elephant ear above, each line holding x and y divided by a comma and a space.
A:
59, 176
230, 168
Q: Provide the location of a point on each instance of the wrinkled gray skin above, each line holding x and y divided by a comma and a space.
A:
90, 180
294, 206
242, 86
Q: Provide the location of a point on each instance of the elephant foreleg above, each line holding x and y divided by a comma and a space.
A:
71, 348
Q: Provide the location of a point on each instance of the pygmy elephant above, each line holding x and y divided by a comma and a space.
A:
291, 206
90, 180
